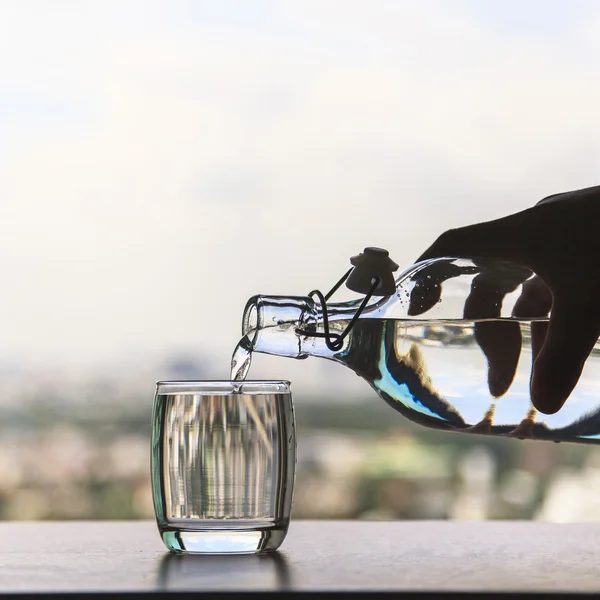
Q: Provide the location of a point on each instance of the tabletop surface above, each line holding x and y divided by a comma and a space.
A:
439, 556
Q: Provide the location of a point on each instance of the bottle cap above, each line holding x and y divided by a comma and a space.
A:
372, 263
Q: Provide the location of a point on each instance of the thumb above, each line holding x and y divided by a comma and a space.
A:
504, 239
573, 331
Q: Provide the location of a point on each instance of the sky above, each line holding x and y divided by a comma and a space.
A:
161, 162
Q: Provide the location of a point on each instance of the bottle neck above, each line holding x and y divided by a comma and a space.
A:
281, 325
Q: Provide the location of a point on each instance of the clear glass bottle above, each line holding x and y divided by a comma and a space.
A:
452, 348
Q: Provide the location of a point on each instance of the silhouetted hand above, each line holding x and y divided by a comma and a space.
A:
559, 240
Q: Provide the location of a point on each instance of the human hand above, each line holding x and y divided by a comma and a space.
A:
559, 240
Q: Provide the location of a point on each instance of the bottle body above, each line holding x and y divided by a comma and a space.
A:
447, 350
434, 373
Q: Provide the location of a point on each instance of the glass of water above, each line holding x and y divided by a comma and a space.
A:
223, 464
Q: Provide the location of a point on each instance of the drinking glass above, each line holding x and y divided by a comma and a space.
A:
223, 461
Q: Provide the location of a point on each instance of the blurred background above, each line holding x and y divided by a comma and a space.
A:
162, 161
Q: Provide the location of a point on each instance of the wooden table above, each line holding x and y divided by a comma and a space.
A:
438, 557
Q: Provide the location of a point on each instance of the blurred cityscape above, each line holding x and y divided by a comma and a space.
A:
76, 446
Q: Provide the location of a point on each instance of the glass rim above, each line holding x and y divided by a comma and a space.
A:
223, 387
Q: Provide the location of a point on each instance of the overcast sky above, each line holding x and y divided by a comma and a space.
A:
160, 162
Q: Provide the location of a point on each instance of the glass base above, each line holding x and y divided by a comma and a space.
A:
220, 541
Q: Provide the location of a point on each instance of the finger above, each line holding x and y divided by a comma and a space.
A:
507, 239
427, 290
535, 300
500, 341
539, 329
572, 332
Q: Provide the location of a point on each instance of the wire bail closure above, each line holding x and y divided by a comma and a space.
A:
372, 274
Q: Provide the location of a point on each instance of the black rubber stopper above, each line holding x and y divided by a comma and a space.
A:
371, 264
